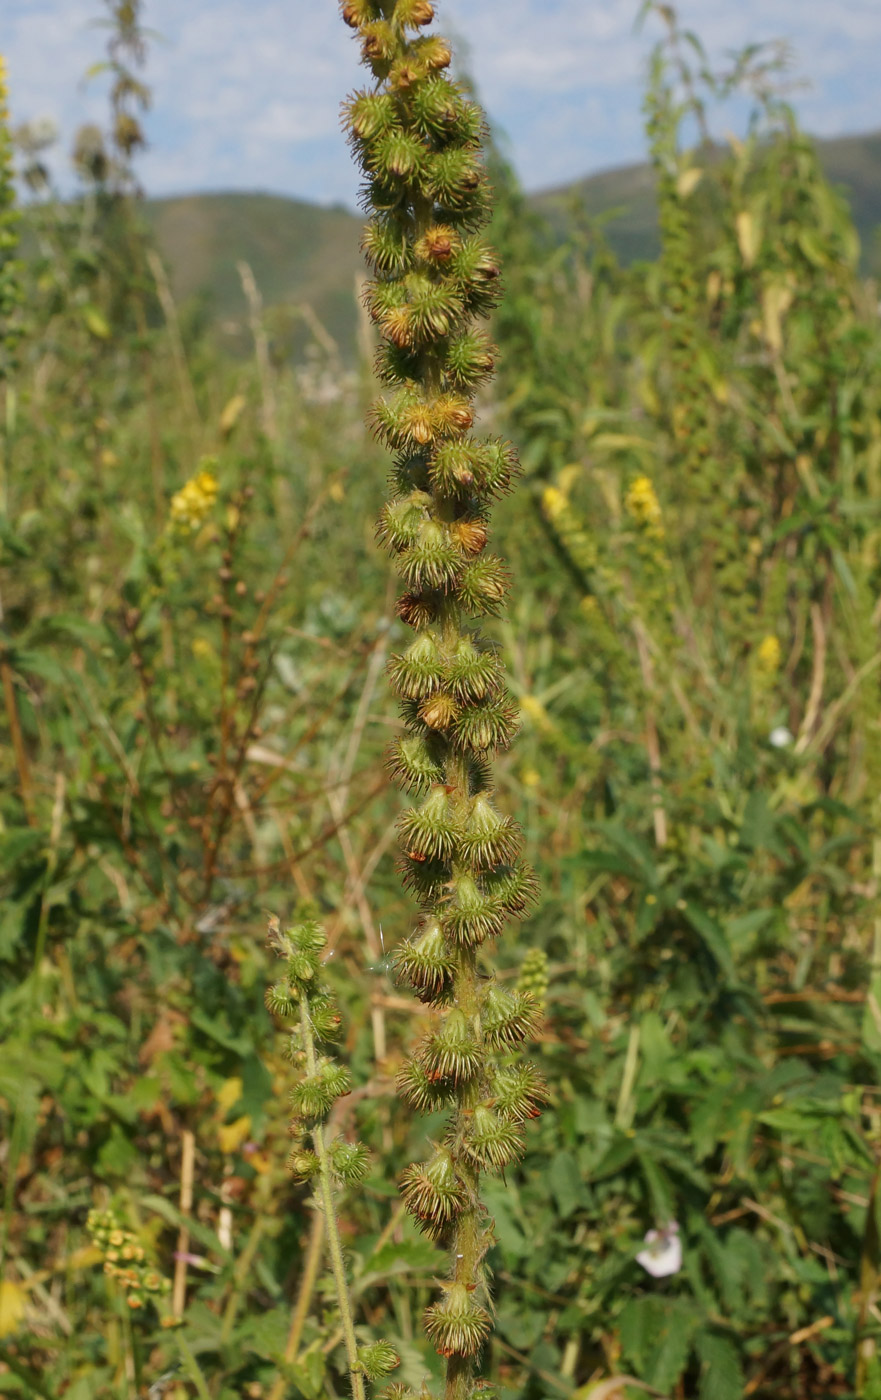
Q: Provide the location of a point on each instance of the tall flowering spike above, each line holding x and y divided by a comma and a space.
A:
11, 295
302, 995
417, 138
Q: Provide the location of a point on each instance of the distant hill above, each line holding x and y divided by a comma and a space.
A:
303, 254
298, 252
852, 163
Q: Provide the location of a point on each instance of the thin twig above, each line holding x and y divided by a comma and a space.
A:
261, 346
818, 676
169, 311
312, 1264
188, 1158
331, 1223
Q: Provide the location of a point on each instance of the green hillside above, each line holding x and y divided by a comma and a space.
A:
299, 254
852, 163
304, 255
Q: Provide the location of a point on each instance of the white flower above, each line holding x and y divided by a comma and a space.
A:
780, 737
664, 1254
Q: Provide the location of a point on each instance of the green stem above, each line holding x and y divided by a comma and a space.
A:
304, 1298
331, 1223
241, 1277
192, 1368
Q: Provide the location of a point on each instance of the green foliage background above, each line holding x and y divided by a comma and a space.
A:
193, 725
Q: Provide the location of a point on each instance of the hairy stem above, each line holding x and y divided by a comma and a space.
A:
331, 1222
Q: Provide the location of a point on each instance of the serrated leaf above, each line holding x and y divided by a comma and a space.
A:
721, 1374
565, 1180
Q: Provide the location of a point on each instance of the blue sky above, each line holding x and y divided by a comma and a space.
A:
247, 92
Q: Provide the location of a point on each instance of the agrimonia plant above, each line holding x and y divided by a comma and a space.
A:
302, 995
10, 267
417, 138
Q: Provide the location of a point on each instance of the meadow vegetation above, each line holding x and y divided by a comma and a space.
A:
198, 632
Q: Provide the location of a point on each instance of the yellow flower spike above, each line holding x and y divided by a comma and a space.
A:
768, 656
641, 503
191, 505
553, 502
532, 707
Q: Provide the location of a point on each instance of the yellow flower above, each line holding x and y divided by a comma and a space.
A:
768, 655
194, 501
554, 502
642, 505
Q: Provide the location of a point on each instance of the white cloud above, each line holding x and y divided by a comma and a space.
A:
246, 92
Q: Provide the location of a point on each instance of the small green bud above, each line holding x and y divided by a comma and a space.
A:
534, 975
350, 1160
377, 1359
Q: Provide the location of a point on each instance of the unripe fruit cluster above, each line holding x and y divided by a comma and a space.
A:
125, 1261
301, 994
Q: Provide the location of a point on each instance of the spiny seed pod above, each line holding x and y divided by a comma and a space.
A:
427, 962
457, 1325
281, 999
316, 1094
415, 761
518, 1091
433, 1192
489, 838
302, 1164
417, 137
452, 1053
419, 1090
494, 1139
507, 1018
432, 831
420, 670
